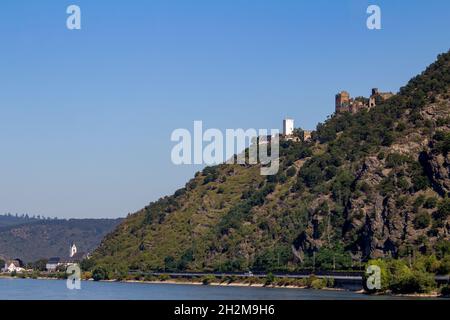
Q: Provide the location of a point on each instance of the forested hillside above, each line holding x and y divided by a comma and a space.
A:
31, 238
368, 185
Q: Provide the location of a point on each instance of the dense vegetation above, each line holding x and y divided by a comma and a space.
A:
34, 238
371, 185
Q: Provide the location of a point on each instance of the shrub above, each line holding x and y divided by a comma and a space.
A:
100, 273
150, 278
420, 200
86, 275
291, 172
398, 277
208, 280
443, 210
422, 220
163, 277
395, 160
401, 201
330, 282
444, 267
270, 278
386, 275
414, 282
445, 291
443, 144
318, 284
430, 203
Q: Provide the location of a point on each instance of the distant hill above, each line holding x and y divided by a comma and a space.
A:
368, 185
31, 239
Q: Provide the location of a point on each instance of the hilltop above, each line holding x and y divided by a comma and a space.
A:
373, 184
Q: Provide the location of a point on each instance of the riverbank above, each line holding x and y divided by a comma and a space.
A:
34, 289
311, 283
252, 282
247, 285
221, 284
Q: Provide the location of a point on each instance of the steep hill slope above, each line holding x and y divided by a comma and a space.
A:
373, 184
33, 239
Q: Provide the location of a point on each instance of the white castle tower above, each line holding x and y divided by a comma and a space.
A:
288, 127
73, 250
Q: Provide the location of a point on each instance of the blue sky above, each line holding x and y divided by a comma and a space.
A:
86, 116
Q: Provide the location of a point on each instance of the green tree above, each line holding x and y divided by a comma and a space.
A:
100, 273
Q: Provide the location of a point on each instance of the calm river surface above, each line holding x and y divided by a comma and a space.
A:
27, 289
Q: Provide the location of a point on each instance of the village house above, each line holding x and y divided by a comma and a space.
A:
15, 265
53, 264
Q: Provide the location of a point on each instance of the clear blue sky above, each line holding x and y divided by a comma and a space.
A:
86, 116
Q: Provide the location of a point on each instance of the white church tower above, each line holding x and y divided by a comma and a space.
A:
288, 127
73, 250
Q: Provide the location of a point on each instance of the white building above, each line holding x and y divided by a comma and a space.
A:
73, 250
73, 258
288, 127
13, 266
53, 264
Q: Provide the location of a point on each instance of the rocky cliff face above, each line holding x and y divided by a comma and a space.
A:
372, 184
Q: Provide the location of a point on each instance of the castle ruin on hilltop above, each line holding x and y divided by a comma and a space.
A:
344, 103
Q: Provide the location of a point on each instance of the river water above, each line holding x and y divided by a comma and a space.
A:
28, 289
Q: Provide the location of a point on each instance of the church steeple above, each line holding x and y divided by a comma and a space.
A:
73, 250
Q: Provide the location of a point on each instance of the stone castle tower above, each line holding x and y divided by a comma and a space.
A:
342, 101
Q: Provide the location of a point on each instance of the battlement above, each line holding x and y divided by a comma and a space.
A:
344, 102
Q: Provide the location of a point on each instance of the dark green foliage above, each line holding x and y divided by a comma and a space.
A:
211, 174
241, 211
100, 273
291, 172
443, 210
311, 175
442, 248
156, 212
444, 267
334, 258
416, 282
273, 259
398, 277
443, 142
401, 202
46, 238
422, 220
170, 264
269, 279
186, 258
419, 177
87, 264
430, 203
394, 160
180, 192
445, 291
420, 200
39, 265
341, 187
